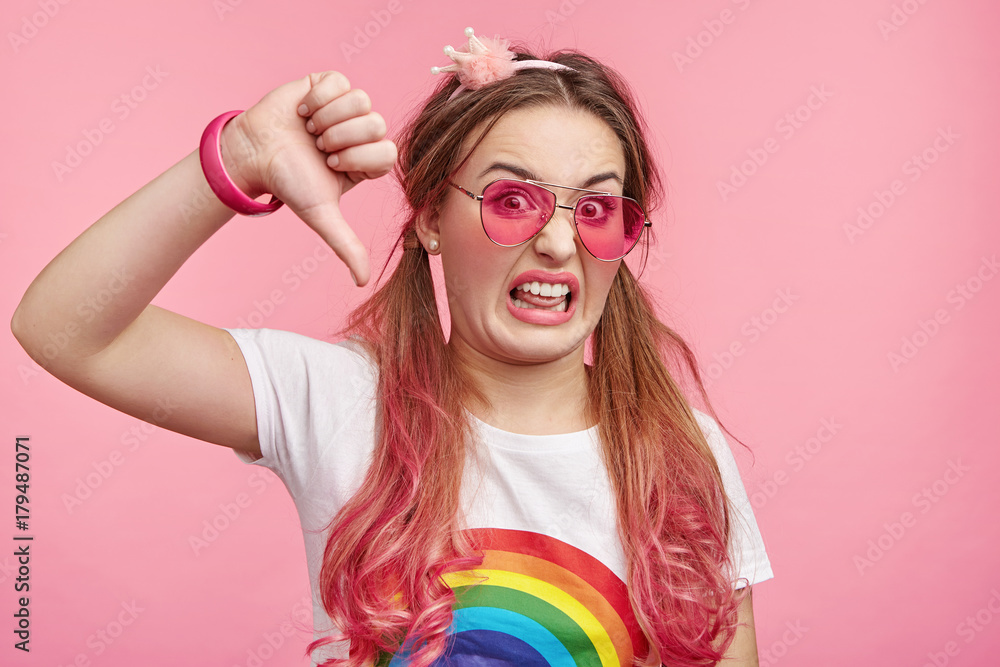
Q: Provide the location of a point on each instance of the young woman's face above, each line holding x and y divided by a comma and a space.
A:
489, 312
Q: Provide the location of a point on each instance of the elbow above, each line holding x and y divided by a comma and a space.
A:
57, 345
24, 325
21, 327
18, 326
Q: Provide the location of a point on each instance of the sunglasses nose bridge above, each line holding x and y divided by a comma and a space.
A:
571, 216
552, 207
558, 236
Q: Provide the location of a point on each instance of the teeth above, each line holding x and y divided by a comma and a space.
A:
545, 289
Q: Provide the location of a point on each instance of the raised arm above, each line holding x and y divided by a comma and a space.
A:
87, 318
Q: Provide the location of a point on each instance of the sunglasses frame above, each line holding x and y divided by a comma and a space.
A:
545, 186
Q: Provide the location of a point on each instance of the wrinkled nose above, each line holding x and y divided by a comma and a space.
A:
557, 239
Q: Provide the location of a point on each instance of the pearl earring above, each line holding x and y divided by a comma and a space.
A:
433, 245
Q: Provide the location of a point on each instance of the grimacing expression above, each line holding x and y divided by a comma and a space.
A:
566, 288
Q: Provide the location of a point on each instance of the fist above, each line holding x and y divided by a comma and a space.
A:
308, 142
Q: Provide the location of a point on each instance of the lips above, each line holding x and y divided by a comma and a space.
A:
540, 297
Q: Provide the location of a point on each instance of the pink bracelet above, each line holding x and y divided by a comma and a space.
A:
210, 153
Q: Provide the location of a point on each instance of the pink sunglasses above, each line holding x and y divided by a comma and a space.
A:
514, 211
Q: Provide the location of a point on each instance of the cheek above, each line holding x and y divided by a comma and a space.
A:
602, 277
473, 271
462, 252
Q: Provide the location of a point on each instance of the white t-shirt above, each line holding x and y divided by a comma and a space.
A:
555, 567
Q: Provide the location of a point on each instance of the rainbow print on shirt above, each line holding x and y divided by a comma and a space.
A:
535, 600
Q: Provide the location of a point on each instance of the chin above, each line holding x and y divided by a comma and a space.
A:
544, 348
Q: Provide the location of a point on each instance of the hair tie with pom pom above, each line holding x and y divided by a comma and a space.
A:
486, 61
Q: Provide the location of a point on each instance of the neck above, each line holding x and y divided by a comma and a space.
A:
532, 399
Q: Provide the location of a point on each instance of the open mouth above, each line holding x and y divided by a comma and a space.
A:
535, 295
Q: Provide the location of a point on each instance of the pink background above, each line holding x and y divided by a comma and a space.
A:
845, 441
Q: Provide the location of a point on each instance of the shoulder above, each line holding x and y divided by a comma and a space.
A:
747, 546
275, 346
719, 445
711, 429
289, 370
308, 393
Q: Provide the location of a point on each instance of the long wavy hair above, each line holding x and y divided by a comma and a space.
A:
390, 543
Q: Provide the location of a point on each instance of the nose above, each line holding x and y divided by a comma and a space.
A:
557, 239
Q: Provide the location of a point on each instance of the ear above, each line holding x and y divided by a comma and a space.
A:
428, 231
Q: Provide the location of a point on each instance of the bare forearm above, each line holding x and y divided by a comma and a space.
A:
743, 651
85, 297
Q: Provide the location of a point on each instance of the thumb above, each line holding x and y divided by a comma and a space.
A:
328, 221
312, 191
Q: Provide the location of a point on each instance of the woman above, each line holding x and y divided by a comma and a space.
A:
489, 497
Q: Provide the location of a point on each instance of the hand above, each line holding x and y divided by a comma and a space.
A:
309, 159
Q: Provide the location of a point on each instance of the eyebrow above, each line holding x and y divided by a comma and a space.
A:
528, 175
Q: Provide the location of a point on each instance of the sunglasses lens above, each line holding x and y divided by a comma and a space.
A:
514, 211
609, 226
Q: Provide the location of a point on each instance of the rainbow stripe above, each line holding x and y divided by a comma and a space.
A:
537, 601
